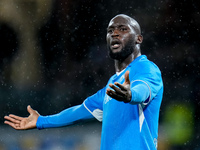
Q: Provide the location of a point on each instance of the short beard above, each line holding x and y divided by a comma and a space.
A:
124, 53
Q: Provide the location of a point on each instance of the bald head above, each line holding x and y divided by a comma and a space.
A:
132, 22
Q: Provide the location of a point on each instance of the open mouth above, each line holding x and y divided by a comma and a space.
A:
115, 44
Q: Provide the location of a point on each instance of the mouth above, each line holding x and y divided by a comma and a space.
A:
115, 44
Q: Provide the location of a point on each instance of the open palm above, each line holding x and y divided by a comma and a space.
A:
23, 123
120, 92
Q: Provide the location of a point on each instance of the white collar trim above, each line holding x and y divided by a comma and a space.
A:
118, 73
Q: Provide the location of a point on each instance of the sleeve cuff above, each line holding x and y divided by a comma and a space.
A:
39, 122
141, 93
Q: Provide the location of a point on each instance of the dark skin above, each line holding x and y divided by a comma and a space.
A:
123, 31
123, 40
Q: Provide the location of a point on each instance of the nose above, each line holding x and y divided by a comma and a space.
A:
115, 33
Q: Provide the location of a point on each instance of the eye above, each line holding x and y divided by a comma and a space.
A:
109, 30
123, 29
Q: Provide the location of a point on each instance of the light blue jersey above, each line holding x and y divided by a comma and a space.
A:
125, 126
134, 125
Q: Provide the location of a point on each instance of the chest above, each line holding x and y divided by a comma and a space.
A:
115, 109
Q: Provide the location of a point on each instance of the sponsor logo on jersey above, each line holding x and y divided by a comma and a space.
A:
107, 99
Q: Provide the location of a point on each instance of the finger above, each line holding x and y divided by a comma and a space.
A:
127, 81
15, 126
116, 89
121, 86
11, 119
108, 91
114, 95
29, 109
15, 117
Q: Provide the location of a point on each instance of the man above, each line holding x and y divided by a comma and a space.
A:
128, 105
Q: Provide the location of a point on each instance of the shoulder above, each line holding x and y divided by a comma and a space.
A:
143, 65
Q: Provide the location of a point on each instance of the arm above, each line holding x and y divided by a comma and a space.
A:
66, 117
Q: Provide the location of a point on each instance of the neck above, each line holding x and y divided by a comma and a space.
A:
122, 64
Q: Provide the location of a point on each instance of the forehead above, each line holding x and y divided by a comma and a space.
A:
119, 20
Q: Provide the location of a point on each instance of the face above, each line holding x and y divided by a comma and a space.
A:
121, 38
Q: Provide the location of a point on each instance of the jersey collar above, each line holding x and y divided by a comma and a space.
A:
135, 60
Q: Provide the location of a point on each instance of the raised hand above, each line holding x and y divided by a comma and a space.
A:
121, 92
23, 123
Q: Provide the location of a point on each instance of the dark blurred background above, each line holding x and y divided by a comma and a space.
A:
53, 55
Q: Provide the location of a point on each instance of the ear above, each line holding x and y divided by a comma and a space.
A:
139, 39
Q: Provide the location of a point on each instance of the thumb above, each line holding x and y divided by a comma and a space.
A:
29, 109
127, 81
